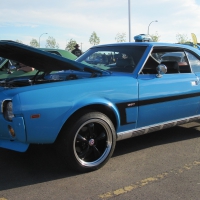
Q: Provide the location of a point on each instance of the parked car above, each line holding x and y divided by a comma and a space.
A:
8, 68
60, 52
143, 38
84, 108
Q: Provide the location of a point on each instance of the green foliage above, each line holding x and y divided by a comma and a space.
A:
155, 37
70, 45
51, 43
34, 43
181, 38
94, 39
120, 37
19, 41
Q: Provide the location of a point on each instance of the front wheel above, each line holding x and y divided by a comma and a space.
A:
88, 141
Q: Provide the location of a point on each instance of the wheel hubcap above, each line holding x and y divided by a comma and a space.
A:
92, 143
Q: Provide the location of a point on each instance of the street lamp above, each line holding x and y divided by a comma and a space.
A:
40, 37
129, 19
149, 25
81, 46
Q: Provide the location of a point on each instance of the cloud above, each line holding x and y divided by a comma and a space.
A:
77, 19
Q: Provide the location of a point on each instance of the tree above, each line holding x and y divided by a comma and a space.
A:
155, 37
19, 41
70, 45
120, 37
94, 39
181, 38
51, 43
34, 43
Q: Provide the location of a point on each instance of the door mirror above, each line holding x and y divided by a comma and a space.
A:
161, 69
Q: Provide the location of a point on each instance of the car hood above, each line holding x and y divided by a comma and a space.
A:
40, 60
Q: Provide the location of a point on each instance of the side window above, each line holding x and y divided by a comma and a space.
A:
194, 62
173, 56
175, 61
150, 65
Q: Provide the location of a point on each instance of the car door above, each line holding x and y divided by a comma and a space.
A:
194, 61
174, 95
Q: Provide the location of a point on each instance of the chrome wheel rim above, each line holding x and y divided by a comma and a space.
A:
92, 142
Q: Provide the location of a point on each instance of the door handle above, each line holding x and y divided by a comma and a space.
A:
196, 82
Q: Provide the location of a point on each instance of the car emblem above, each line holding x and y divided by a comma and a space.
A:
91, 142
130, 104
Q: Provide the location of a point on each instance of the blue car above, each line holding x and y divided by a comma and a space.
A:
85, 108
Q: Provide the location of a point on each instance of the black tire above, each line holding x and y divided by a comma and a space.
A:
88, 141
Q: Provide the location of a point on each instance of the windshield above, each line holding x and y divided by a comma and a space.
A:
113, 58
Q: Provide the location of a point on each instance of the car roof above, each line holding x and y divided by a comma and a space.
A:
151, 44
140, 44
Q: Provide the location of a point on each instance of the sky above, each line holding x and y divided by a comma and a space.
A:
63, 20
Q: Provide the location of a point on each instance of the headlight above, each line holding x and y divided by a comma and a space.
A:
7, 110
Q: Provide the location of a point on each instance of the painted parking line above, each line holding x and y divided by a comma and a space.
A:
149, 180
2, 198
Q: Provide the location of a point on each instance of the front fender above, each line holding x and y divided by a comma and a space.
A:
93, 101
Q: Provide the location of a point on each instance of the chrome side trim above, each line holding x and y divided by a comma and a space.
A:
155, 127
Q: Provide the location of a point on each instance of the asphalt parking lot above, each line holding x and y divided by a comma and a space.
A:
160, 165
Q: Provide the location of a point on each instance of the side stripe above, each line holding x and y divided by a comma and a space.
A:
164, 99
122, 110
122, 106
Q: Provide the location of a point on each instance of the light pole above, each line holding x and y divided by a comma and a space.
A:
81, 46
150, 24
129, 19
40, 37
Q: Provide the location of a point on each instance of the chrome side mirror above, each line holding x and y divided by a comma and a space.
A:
161, 69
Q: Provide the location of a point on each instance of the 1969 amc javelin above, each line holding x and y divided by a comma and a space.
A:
112, 92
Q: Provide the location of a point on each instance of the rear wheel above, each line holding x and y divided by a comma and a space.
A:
88, 141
